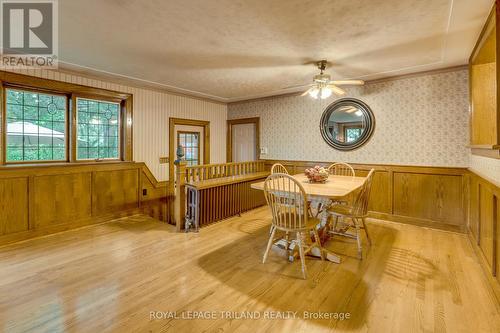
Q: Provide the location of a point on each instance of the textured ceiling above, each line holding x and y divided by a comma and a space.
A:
233, 49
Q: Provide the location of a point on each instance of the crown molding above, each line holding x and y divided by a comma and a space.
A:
368, 82
94, 74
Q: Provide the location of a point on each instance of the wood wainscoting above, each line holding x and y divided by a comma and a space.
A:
484, 226
426, 196
41, 200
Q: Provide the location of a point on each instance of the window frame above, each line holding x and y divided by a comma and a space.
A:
71, 91
4, 119
120, 128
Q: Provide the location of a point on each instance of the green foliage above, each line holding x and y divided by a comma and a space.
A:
98, 129
40, 113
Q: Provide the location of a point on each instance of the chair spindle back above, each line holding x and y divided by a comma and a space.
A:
279, 168
287, 200
341, 169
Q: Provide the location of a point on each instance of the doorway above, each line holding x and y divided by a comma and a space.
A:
194, 136
243, 139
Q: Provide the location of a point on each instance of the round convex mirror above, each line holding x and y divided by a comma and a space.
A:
347, 124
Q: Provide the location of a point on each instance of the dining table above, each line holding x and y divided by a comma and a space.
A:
336, 189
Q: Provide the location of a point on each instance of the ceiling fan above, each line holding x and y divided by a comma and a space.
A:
322, 86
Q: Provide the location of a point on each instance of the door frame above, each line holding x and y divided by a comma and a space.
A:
229, 139
172, 122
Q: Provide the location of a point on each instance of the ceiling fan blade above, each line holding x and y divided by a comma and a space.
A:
298, 86
348, 82
306, 92
336, 89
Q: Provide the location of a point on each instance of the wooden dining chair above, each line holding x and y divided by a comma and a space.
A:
278, 168
341, 169
356, 213
289, 207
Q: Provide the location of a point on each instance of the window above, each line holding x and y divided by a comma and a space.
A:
98, 130
352, 133
190, 142
54, 121
36, 126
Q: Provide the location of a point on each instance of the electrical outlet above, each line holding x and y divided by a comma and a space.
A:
263, 150
164, 160
144, 191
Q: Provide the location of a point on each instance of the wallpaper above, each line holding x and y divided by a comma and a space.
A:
486, 167
420, 120
152, 110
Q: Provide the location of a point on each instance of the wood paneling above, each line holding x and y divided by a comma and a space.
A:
13, 205
115, 190
380, 185
474, 202
433, 197
484, 226
44, 199
483, 125
428, 196
62, 198
487, 224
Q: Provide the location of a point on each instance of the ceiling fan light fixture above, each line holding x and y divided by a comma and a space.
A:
314, 92
323, 87
325, 93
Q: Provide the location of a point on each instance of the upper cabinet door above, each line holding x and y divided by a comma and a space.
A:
484, 89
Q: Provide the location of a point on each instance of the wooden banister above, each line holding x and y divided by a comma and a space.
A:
180, 194
210, 171
200, 173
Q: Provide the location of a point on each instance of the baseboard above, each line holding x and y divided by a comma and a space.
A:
418, 222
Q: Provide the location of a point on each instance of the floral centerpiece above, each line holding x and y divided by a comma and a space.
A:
317, 174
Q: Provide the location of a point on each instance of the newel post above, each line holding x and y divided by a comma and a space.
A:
180, 191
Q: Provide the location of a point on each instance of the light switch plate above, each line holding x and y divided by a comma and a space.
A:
164, 160
263, 150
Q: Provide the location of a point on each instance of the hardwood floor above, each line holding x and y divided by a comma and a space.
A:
110, 277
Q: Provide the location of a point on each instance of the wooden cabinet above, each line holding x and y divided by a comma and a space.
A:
484, 221
484, 90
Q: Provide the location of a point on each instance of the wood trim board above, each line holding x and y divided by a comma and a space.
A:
171, 139
229, 138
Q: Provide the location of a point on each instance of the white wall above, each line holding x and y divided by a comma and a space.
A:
152, 110
420, 120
